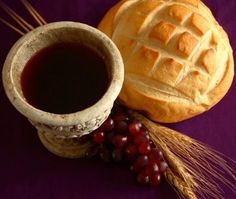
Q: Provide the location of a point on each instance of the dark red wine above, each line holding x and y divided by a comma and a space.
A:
64, 78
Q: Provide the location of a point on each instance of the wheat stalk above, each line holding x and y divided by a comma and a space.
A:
195, 169
11, 26
181, 187
34, 13
19, 20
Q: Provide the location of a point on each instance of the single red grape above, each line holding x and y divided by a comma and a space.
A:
98, 137
131, 152
139, 163
108, 125
155, 179
134, 127
120, 117
139, 139
121, 127
163, 166
143, 178
144, 148
119, 141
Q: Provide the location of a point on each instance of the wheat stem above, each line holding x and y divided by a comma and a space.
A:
11, 26
25, 25
34, 13
20, 21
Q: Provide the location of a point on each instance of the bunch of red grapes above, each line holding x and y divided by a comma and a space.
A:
124, 139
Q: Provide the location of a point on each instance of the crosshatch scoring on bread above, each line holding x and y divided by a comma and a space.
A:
178, 59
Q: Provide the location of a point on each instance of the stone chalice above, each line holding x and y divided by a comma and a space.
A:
59, 133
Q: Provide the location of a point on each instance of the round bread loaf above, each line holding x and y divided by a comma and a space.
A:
178, 59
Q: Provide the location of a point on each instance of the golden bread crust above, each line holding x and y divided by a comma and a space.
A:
178, 59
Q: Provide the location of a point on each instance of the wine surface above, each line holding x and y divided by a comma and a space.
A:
64, 78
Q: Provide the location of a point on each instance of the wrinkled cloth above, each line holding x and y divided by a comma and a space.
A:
29, 171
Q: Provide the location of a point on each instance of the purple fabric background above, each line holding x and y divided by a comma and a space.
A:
29, 171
